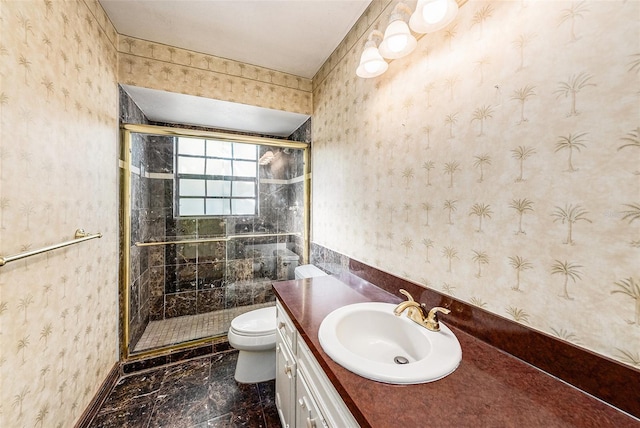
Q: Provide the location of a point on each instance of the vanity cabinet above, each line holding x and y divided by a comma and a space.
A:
305, 396
285, 368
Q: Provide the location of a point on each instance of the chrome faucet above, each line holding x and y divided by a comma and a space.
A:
417, 312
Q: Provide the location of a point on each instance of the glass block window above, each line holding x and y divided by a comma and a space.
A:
216, 178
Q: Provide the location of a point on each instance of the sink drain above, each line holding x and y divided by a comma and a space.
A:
400, 360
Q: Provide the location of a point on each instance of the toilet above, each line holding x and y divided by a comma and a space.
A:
254, 335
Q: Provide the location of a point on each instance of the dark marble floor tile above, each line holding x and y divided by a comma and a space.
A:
250, 418
222, 421
267, 391
223, 365
181, 408
131, 390
271, 417
199, 393
186, 375
238, 420
229, 396
135, 415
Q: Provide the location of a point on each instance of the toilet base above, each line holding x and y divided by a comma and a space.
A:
256, 366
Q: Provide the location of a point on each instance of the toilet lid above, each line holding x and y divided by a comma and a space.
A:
256, 322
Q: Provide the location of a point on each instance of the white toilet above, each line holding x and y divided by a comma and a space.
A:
254, 335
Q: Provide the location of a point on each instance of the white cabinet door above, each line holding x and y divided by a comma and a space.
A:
333, 409
285, 383
307, 413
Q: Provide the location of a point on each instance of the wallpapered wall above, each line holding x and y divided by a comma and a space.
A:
58, 172
162, 67
498, 163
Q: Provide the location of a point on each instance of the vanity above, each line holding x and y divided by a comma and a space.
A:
488, 388
304, 395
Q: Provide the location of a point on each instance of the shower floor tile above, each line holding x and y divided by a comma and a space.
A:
191, 327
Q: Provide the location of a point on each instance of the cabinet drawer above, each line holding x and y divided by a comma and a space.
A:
285, 327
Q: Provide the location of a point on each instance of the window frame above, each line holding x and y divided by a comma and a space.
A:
207, 177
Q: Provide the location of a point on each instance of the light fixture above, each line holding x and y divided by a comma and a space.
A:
433, 15
371, 62
398, 40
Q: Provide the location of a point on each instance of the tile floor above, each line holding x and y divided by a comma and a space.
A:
200, 393
182, 329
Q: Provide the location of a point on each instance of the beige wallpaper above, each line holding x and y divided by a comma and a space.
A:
58, 172
499, 163
157, 66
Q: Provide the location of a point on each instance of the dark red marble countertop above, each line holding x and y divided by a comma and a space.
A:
489, 389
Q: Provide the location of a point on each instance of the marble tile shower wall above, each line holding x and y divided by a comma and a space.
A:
139, 296
328, 260
188, 279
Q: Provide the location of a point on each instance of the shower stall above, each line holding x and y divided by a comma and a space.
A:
210, 220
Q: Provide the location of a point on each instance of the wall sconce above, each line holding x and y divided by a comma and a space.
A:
371, 62
398, 40
433, 15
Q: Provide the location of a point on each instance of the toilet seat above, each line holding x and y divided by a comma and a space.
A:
259, 322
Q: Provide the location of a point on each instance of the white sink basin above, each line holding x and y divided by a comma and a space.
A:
371, 341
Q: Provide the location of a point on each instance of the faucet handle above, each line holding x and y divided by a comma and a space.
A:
406, 293
432, 318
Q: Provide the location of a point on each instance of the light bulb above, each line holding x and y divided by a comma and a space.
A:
397, 43
398, 40
371, 62
372, 66
433, 15
434, 11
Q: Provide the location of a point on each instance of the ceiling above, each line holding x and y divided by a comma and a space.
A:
290, 36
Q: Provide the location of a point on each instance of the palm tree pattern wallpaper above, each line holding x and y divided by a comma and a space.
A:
157, 66
58, 173
499, 164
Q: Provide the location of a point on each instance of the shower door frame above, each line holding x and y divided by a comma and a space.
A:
125, 203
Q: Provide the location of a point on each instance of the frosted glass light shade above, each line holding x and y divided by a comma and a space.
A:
434, 11
433, 15
371, 62
398, 40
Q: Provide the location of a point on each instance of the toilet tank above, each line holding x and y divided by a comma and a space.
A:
287, 263
308, 271
274, 260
